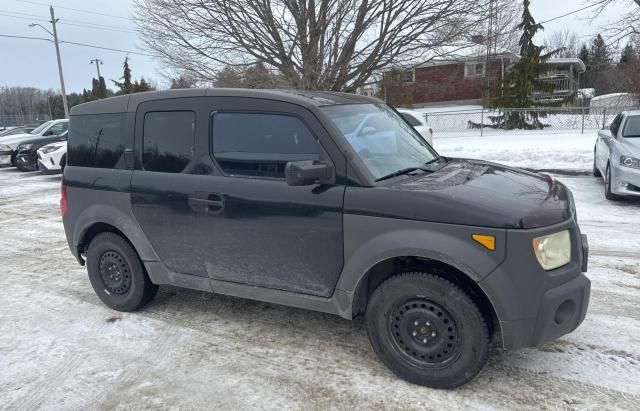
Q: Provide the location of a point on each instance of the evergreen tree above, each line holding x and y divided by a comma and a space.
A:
628, 55
125, 86
515, 90
586, 77
600, 61
141, 86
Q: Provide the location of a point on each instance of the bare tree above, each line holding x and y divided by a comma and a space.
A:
566, 41
627, 24
314, 44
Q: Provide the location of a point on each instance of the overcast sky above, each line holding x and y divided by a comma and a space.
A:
33, 63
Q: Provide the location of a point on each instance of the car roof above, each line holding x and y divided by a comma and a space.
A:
130, 102
631, 113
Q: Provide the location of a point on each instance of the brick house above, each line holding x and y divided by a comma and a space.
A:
463, 80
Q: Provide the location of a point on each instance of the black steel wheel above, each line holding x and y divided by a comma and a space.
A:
427, 330
117, 274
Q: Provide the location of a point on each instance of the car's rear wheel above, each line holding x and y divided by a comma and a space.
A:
427, 330
607, 186
117, 275
596, 172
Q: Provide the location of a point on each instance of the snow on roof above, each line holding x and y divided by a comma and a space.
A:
614, 100
567, 60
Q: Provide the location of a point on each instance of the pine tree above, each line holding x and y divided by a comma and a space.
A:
125, 86
515, 90
141, 86
600, 61
586, 77
628, 54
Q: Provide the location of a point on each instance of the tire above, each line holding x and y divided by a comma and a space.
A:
117, 275
427, 330
596, 172
607, 186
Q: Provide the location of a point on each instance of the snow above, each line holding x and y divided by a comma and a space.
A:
61, 348
534, 150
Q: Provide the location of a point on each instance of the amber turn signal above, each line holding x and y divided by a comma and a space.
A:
488, 241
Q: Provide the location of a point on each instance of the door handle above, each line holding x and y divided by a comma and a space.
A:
205, 202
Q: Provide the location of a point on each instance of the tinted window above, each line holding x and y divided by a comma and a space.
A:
98, 140
168, 139
632, 127
410, 119
260, 145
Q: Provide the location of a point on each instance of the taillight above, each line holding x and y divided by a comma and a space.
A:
63, 200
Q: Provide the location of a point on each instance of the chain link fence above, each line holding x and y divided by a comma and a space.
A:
561, 120
13, 120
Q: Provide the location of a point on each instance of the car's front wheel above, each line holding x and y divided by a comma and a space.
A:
596, 171
117, 275
607, 186
427, 330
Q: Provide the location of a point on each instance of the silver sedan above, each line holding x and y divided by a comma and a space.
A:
617, 156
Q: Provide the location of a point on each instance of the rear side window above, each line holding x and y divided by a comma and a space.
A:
260, 145
168, 140
410, 119
98, 140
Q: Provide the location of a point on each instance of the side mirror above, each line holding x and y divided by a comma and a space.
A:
308, 172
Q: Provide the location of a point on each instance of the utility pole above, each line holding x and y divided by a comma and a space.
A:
55, 40
98, 63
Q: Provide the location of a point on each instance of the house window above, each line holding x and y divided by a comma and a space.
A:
473, 69
408, 76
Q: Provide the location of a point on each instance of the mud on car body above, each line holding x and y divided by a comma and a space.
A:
324, 201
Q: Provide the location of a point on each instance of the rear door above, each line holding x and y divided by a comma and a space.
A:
226, 212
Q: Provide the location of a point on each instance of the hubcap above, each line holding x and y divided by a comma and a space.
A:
114, 272
424, 331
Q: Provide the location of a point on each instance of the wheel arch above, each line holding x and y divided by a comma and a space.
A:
393, 266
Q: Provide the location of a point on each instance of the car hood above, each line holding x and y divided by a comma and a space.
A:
18, 139
477, 193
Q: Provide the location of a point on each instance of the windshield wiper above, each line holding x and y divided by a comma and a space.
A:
403, 172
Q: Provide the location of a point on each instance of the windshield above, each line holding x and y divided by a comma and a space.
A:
41, 127
632, 128
383, 141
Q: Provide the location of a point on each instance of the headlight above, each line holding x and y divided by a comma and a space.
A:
25, 146
51, 148
629, 162
553, 251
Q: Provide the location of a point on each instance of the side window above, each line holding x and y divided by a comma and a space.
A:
98, 140
615, 125
260, 145
58, 129
410, 119
168, 139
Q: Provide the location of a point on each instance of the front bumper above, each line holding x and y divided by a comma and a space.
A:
534, 305
26, 161
625, 181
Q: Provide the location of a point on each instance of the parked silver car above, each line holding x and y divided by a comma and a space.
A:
617, 156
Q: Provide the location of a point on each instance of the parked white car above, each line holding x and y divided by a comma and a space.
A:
52, 157
9, 144
616, 156
419, 121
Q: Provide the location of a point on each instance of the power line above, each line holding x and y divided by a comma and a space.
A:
82, 45
67, 22
76, 10
569, 13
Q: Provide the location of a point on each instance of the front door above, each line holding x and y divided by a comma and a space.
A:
229, 214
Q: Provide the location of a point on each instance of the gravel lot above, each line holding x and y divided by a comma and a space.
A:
60, 348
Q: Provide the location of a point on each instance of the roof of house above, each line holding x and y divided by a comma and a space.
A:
571, 61
130, 102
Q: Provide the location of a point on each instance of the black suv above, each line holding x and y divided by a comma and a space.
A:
329, 202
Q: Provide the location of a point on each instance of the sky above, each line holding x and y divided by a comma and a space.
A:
33, 63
